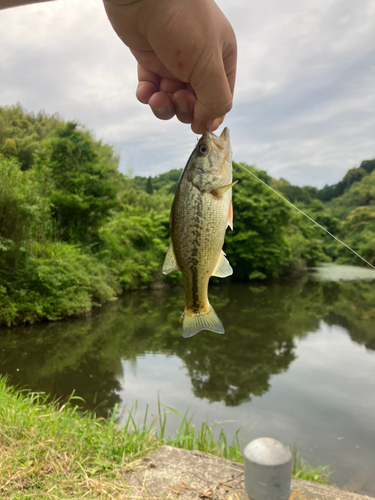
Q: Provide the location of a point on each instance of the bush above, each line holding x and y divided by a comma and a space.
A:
24, 212
55, 280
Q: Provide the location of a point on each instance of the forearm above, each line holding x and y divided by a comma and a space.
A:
6, 4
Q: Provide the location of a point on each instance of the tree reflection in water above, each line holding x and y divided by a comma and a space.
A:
262, 323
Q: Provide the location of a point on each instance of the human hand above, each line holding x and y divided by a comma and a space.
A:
186, 52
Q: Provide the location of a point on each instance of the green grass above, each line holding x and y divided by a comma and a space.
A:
203, 438
53, 451
303, 470
50, 451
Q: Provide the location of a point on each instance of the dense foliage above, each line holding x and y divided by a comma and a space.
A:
75, 232
21, 133
353, 175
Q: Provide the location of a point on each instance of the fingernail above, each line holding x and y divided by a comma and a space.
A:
162, 113
139, 93
183, 106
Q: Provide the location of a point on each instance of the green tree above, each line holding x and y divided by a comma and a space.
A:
352, 176
368, 165
361, 193
149, 188
85, 189
134, 244
257, 245
21, 132
358, 231
296, 194
24, 212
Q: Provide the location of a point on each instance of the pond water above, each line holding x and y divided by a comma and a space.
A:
297, 363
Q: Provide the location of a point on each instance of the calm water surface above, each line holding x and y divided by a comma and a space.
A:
297, 362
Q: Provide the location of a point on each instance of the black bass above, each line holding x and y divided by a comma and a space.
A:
201, 211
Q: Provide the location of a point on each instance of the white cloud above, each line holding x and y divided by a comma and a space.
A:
305, 90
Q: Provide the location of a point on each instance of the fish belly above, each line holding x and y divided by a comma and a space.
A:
198, 228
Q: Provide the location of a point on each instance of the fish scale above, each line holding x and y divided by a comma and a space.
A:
199, 218
198, 241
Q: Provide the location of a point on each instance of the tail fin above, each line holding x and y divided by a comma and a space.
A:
194, 323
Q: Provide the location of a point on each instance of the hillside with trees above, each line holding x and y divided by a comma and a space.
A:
75, 232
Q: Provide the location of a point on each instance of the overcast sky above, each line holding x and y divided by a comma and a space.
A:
304, 104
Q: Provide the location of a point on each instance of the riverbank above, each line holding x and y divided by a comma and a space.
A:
53, 451
169, 473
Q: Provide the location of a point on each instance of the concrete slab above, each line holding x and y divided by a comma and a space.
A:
170, 473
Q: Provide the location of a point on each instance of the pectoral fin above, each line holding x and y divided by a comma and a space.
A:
221, 190
223, 268
170, 263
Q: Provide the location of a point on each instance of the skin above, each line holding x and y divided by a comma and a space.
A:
5, 4
180, 71
186, 52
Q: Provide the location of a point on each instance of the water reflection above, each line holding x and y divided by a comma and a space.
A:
262, 325
292, 359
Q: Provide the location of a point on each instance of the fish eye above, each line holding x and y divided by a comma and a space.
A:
203, 149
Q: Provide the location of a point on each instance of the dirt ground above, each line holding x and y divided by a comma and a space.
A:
170, 473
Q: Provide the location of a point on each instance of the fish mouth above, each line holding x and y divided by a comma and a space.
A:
225, 135
220, 143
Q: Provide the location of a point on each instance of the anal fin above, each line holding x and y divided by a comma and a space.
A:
223, 268
170, 263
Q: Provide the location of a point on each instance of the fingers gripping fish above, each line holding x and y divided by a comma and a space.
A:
201, 212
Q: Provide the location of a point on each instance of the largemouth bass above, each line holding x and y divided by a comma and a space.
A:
201, 212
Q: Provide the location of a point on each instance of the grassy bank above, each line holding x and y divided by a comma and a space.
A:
53, 451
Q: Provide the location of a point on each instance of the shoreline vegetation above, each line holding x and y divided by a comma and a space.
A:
75, 232
51, 450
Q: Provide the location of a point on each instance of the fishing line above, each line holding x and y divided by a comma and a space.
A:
303, 213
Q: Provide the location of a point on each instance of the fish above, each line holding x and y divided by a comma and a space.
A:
201, 212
